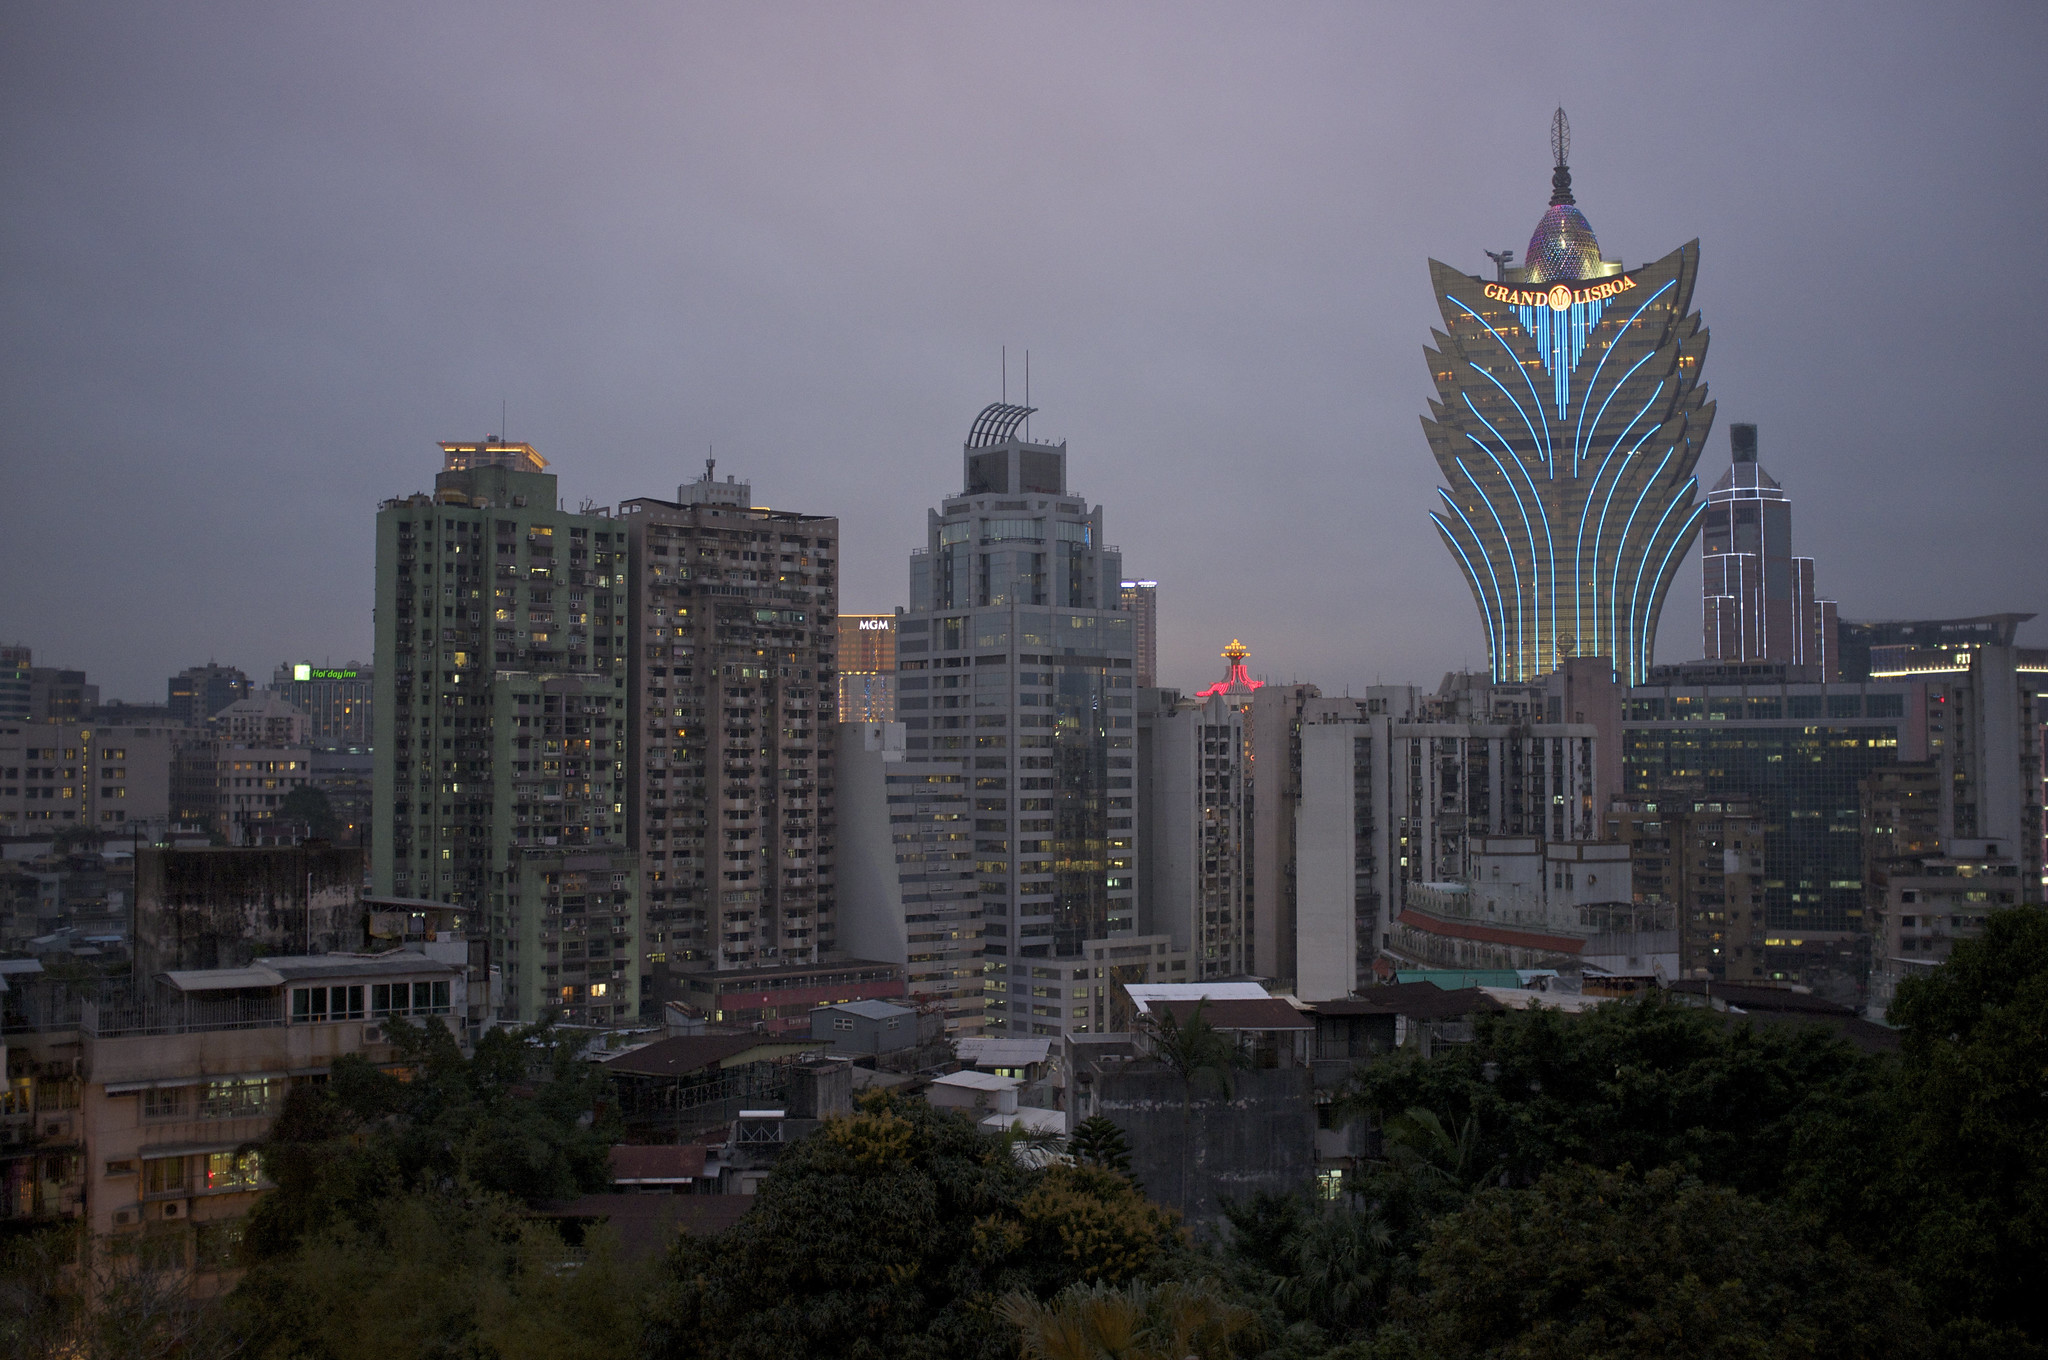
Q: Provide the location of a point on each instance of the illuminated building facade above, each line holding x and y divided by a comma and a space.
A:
336, 698
16, 663
867, 668
732, 696
1015, 654
1758, 600
1568, 418
499, 771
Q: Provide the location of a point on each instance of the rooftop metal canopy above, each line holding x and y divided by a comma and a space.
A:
996, 424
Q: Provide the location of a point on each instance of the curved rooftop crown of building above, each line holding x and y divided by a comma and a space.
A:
1562, 247
1568, 418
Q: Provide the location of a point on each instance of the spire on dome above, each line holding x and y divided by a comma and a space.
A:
1562, 248
1560, 152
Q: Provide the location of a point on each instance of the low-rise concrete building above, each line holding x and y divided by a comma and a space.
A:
780, 999
865, 1028
133, 1114
982, 1093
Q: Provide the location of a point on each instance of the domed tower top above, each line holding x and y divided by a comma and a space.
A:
1562, 249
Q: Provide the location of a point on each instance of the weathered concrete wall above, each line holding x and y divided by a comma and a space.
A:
221, 906
1192, 1155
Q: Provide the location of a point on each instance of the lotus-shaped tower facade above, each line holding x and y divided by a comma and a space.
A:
1568, 418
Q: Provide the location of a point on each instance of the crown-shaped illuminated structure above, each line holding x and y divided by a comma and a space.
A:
1569, 415
1237, 681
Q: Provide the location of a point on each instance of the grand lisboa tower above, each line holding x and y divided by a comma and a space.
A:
1568, 416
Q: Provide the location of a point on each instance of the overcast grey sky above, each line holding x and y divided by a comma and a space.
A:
255, 259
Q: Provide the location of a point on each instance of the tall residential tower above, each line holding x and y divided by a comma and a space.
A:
733, 634
500, 709
1568, 417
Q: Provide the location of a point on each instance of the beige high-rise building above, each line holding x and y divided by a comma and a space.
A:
867, 668
731, 709
54, 775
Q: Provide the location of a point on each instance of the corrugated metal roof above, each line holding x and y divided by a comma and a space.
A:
1004, 1052
305, 967
222, 979
1416, 1000
978, 1081
695, 1052
633, 1165
1264, 1013
1468, 930
871, 1010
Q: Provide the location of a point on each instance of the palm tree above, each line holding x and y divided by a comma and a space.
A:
1134, 1322
1342, 1263
1097, 1141
1198, 1052
1418, 1142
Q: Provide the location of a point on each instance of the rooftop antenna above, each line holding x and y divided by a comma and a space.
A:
504, 434
1027, 396
1006, 375
1561, 155
1501, 260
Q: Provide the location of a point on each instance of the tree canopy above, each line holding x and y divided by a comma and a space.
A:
1589, 1264
895, 1232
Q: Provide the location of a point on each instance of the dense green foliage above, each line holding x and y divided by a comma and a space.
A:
896, 1233
1645, 1085
309, 805
512, 1120
1598, 1265
1943, 1169
437, 1274
1135, 1321
397, 1225
1097, 1141
1593, 1184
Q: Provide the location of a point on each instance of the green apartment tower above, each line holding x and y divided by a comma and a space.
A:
500, 776
1568, 417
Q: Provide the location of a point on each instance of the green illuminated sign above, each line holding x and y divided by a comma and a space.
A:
305, 672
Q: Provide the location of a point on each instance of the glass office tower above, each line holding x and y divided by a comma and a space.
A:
1757, 599
1015, 654
1568, 417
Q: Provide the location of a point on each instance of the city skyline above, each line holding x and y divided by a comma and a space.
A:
722, 277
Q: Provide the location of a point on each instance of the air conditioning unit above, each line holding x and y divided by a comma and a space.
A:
174, 1209
373, 1034
124, 1216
